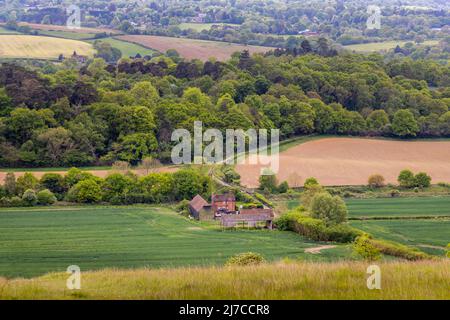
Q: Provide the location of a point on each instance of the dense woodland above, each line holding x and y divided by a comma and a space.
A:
66, 114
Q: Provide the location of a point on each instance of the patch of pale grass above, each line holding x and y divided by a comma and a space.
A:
343, 280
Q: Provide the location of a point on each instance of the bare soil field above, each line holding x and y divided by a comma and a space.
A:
350, 161
192, 48
98, 173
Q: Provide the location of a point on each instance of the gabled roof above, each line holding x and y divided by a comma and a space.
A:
266, 212
198, 203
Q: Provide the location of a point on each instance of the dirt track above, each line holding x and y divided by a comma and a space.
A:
348, 161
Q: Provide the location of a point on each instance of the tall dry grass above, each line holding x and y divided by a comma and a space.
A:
344, 280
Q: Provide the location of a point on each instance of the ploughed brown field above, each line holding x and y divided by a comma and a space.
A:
350, 161
192, 48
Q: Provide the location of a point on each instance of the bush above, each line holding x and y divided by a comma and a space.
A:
263, 199
54, 182
26, 182
316, 229
183, 208
246, 259
332, 210
86, 191
406, 179
283, 187
29, 198
376, 181
230, 175
311, 182
399, 250
268, 183
46, 197
422, 180
75, 175
16, 202
116, 185
365, 249
395, 193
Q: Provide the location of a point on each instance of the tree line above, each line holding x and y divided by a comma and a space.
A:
99, 113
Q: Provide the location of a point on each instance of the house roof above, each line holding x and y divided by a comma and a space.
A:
254, 217
265, 212
198, 203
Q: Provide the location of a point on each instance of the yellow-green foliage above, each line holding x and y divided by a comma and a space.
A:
399, 250
365, 249
400, 280
246, 259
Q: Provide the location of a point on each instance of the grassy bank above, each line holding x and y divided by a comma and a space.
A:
399, 280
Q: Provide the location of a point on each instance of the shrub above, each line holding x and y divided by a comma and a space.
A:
188, 183
230, 175
246, 259
422, 180
74, 175
406, 179
399, 250
116, 185
283, 187
46, 197
376, 181
316, 229
268, 183
332, 210
183, 208
16, 202
10, 184
26, 182
365, 249
54, 182
263, 199
311, 182
86, 191
395, 193
29, 198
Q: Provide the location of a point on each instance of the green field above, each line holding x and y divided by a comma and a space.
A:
37, 241
431, 234
399, 207
128, 49
392, 207
385, 45
67, 34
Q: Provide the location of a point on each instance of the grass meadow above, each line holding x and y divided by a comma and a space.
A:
37, 241
128, 49
341, 280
